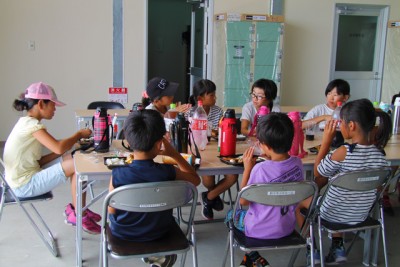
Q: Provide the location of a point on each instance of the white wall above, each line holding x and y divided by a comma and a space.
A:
74, 50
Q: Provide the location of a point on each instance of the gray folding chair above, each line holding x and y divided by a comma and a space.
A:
8, 197
278, 195
357, 182
150, 197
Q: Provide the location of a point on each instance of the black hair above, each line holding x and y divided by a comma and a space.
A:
27, 103
143, 128
394, 98
146, 101
200, 88
362, 112
342, 87
270, 90
276, 130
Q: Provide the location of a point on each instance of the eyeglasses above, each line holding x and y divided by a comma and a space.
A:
259, 97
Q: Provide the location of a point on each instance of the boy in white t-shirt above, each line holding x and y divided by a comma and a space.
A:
337, 90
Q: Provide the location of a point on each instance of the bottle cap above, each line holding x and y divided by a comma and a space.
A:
200, 103
339, 103
263, 110
172, 105
229, 113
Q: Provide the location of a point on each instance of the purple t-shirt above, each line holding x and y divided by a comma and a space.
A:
265, 221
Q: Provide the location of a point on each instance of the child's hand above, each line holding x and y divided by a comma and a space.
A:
183, 108
85, 133
329, 131
169, 150
248, 160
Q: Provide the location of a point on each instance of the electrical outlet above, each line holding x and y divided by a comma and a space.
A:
31, 45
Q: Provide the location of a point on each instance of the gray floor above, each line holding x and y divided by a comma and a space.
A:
20, 246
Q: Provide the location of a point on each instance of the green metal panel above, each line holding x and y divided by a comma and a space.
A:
237, 76
265, 53
239, 30
235, 97
267, 31
238, 52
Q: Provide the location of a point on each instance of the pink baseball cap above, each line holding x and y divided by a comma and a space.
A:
42, 91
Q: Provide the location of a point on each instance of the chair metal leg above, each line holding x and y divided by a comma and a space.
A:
321, 250
226, 251
50, 242
232, 248
193, 237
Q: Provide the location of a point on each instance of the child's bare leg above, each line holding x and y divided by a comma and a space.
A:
69, 170
303, 204
220, 187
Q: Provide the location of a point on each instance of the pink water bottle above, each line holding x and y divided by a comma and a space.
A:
297, 148
260, 113
199, 126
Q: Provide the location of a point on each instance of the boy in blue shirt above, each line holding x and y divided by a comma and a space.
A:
144, 131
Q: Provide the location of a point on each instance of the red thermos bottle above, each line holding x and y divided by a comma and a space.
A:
227, 135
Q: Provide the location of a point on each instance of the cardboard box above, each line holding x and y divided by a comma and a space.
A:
228, 17
261, 17
248, 17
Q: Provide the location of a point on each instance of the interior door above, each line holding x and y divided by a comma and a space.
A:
200, 42
358, 48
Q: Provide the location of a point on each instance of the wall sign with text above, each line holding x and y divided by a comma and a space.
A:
118, 94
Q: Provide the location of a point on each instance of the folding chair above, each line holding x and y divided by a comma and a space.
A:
358, 182
278, 195
105, 104
150, 197
8, 197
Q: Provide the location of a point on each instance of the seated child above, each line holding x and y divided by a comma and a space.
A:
336, 91
30, 173
275, 133
358, 119
204, 90
263, 93
160, 94
144, 131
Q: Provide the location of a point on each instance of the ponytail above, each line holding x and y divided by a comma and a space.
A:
25, 104
384, 131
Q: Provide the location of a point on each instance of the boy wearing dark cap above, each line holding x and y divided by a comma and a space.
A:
161, 93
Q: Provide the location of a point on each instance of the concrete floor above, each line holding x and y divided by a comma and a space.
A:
20, 246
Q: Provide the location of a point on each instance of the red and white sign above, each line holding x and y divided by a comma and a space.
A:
118, 94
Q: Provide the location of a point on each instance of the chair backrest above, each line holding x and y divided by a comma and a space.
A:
279, 194
105, 104
362, 180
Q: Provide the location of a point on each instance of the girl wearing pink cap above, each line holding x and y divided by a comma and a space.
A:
30, 173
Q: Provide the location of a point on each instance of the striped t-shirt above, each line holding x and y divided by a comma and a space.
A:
344, 206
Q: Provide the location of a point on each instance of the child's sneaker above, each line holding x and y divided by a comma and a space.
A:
68, 210
166, 261
261, 262
88, 225
218, 204
317, 257
206, 204
247, 262
336, 255
92, 215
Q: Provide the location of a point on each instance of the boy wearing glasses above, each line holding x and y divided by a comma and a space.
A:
263, 93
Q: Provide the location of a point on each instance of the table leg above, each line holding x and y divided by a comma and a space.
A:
80, 179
